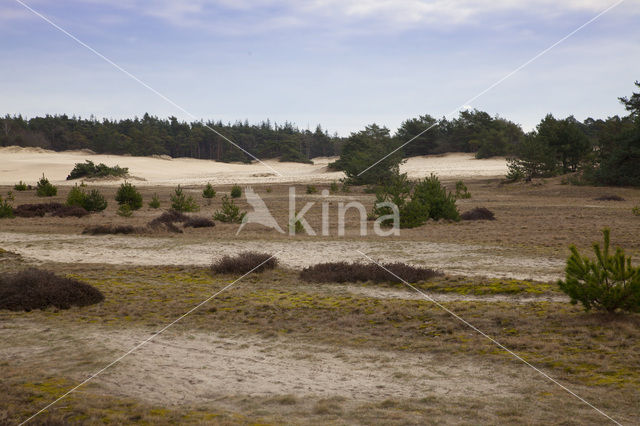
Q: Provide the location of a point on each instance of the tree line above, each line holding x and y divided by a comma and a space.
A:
606, 150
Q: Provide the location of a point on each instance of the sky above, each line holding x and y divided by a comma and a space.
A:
342, 64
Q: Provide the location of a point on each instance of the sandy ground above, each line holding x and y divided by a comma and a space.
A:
28, 164
470, 260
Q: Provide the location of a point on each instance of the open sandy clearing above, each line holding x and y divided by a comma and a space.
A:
28, 164
470, 260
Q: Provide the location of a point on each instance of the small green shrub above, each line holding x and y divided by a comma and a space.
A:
89, 169
333, 188
45, 188
6, 209
269, 190
208, 192
129, 195
183, 203
461, 190
21, 186
125, 210
229, 212
155, 201
311, 189
91, 201
608, 283
236, 191
636, 210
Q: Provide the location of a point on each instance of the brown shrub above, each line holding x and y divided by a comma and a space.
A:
112, 229
170, 216
610, 198
340, 272
244, 262
198, 222
479, 213
54, 209
37, 289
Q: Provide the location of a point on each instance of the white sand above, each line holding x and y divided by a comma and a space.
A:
28, 164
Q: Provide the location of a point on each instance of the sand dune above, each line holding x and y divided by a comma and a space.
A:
28, 164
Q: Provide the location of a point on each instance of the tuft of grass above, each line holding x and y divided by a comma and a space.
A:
244, 262
341, 272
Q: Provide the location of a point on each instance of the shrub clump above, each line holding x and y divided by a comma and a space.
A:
129, 195
111, 229
478, 213
244, 262
610, 198
208, 192
198, 222
167, 221
183, 203
236, 191
21, 186
54, 209
44, 188
91, 201
340, 272
461, 190
6, 209
229, 212
417, 202
38, 289
607, 283
91, 170
155, 201
311, 189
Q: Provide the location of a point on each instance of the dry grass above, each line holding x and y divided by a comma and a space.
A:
593, 354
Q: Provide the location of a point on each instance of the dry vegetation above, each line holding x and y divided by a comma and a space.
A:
375, 353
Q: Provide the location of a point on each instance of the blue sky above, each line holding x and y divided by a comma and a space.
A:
339, 63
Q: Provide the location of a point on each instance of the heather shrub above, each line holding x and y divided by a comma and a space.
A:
183, 203
609, 197
155, 201
70, 211
244, 262
229, 212
54, 209
44, 188
128, 195
608, 283
236, 191
111, 229
198, 222
340, 272
478, 213
38, 289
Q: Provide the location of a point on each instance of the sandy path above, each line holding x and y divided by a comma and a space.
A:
28, 164
470, 260
197, 367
